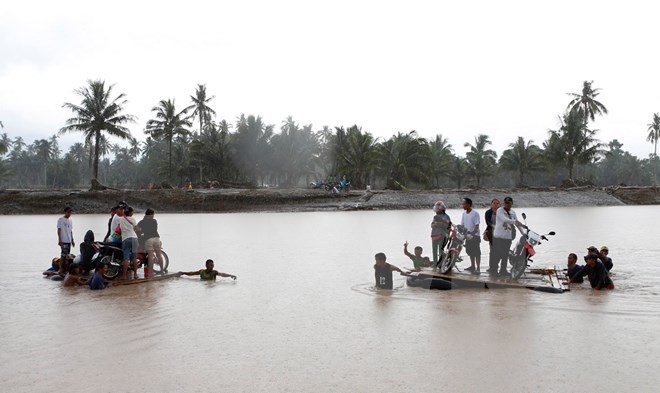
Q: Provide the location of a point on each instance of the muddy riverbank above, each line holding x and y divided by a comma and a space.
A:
233, 200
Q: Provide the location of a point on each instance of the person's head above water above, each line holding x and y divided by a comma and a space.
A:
209, 264
418, 251
572, 259
74, 269
591, 259
380, 258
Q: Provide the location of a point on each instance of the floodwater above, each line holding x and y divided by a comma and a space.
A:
303, 315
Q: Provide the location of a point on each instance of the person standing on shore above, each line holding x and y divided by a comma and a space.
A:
490, 217
470, 220
439, 230
65, 236
503, 235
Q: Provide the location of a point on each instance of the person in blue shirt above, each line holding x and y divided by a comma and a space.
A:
572, 268
97, 281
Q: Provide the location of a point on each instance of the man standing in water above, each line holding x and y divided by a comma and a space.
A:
596, 272
383, 272
470, 221
65, 236
503, 235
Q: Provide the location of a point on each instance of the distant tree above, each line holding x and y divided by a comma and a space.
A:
44, 153
458, 171
619, 166
5, 144
200, 107
168, 124
253, 150
654, 132
358, 156
481, 160
522, 157
404, 157
573, 143
98, 112
585, 103
212, 151
441, 158
294, 152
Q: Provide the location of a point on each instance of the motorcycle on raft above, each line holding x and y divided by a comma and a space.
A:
519, 256
522, 253
112, 255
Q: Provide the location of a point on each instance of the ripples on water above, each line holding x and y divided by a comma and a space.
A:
303, 314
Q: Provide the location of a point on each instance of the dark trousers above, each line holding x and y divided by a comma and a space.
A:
499, 254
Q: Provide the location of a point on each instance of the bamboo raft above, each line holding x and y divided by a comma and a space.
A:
546, 280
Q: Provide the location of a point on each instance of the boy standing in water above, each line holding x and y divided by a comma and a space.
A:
383, 272
439, 230
208, 273
65, 235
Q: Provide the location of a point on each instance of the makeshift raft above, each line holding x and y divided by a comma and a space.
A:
150, 279
545, 280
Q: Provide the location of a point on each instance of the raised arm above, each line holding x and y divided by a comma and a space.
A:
405, 250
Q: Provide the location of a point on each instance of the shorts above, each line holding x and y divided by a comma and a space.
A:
66, 249
473, 247
130, 248
152, 244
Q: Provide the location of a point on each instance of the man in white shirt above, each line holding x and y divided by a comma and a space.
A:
470, 220
65, 236
503, 235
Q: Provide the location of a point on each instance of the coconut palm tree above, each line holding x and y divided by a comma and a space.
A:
98, 112
5, 143
294, 152
522, 157
168, 124
481, 160
654, 133
358, 156
253, 150
441, 158
586, 103
200, 107
458, 171
404, 157
573, 143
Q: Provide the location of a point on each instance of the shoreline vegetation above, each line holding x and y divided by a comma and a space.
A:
17, 202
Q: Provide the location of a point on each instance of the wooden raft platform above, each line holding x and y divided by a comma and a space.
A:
151, 279
552, 279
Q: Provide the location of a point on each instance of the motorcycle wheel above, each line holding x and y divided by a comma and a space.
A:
114, 267
448, 262
166, 263
518, 266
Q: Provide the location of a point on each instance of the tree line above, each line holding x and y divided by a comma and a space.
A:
188, 143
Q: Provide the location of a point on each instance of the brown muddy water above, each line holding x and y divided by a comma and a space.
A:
303, 315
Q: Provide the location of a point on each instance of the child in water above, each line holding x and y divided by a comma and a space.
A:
383, 272
73, 278
418, 260
208, 273
439, 230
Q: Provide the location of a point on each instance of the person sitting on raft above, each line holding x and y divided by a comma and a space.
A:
572, 268
418, 260
73, 277
383, 272
208, 273
596, 272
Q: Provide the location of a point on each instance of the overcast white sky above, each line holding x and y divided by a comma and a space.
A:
453, 67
